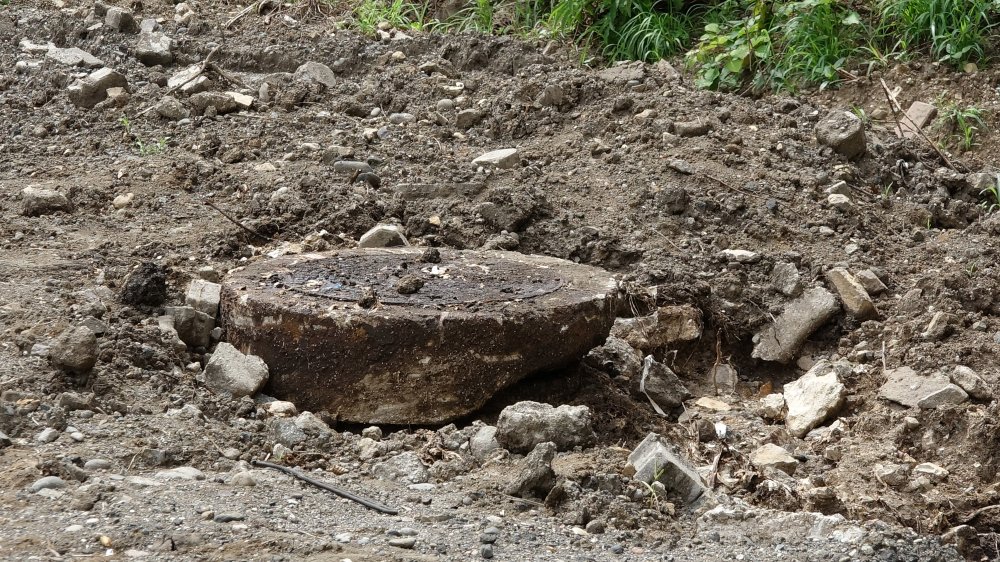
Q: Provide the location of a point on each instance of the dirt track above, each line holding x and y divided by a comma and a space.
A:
630, 168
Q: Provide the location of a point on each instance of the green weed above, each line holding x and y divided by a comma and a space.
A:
625, 29
150, 149
817, 37
966, 124
398, 13
991, 196
954, 31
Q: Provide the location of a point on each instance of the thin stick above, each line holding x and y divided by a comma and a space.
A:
897, 110
242, 13
238, 223
370, 504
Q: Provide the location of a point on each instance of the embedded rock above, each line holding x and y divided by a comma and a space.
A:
231, 371
781, 340
813, 398
526, 424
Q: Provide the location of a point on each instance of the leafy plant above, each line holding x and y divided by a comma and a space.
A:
626, 29
954, 31
398, 13
817, 37
149, 149
731, 51
991, 195
966, 123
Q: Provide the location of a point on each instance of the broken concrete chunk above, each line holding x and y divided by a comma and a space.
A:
655, 459
950, 394
503, 158
317, 72
383, 236
193, 327
93, 89
781, 340
37, 202
468, 118
231, 371
844, 132
661, 386
243, 101
525, 424
854, 296
772, 406
484, 442
121, 20
669, 325
905, 386
918, 116
785, 279
871, 282
774, 457
813, 398
534, 476
971, 382
204, 296
73, 56
154, 49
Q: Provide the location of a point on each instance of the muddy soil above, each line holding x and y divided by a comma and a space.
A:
692, 199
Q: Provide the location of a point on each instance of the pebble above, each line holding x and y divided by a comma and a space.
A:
97, 464
486, 551
47, 435
48, 483
490, 535
243, 479
74, 528
595, 527
76, 436
617, 549
343, 537
406, 542
228, 517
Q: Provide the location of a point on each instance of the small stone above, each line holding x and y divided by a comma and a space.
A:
950, 394
93, 89
48, 483
484, 442
231, 371
661, 386
170, 108
121, 20
853, 295
75, 350
919, 115
193, 327
242, 479
220, 102
894, 475
181, 473
445, 105
402, 118
73, 56
773, 456
694, 128
47, 435
97, 464
204, 296
317, 72
871, 282
740, 256
840, 202
383, 236
486, 551
37, 202
937, 328
468, 118
781, 340
189, 80
122, 201
813, 398
409, 284
228, 517
503, 158
154, 49
145, 285
971, 382
772, 406
785, 279
74, 528
595, 527
904, 386
844, 132
524, 425
403, 542
404, 467
932, 471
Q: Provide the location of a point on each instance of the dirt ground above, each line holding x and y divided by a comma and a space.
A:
629, 168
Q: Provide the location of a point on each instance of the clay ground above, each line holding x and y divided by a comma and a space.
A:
602, 178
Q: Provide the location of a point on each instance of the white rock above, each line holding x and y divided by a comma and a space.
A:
231, 371
772, 406
383, 236
204, 296
950, 394
181, 473
905, 386
930, 470
741, 256
503, 158
971, 382
813, 398
773, 456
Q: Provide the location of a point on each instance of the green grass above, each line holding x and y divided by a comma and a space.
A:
397, 13
966, 124
954, 31
647, 30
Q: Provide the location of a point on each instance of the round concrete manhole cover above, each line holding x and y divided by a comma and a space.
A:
400, 336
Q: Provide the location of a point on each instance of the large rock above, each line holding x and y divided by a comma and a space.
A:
93, 89
854, 296
534, 476
526, 424
383, 236
75, 350
373, 355
844, 132
154, 49
662, 387
905, 386
813, 398
656, 459
781, 340
36, 202
404, 467
231, 371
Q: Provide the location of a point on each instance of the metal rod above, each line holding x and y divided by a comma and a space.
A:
370, 504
